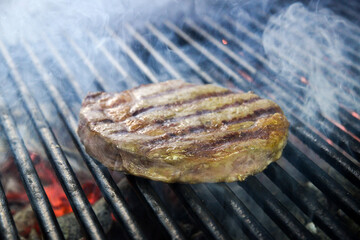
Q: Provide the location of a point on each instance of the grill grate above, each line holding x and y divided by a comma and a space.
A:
315, 145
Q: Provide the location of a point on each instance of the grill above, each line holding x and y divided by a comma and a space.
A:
311, 192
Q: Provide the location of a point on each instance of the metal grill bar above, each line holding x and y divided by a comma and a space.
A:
8, 229
214, 41
37, 196
199, 211
157, 56
275, 210
323, 181
133, 56
348, 168
129, 81
65, 174
72, 81
148, 193
307, 202
201, 49
182, 55
87, 62
251, 226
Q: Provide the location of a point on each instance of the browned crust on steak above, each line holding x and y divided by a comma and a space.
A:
180, 132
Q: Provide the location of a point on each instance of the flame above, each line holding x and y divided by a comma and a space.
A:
224, 41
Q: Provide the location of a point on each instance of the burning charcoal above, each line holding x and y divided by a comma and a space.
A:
29, 229
71, 228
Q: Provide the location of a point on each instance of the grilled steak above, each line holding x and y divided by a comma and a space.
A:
180, 132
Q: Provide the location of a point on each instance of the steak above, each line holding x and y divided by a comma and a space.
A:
180, 132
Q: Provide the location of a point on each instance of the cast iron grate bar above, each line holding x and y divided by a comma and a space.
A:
148, 193
8, 229
275, 210
204, 75
251, 226
63, 170
324, 182
36, 193
199, 211
346, 167
307, 202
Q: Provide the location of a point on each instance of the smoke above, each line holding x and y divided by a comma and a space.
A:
28, 19
306, 50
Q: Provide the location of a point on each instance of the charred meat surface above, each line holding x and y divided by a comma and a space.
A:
180, 132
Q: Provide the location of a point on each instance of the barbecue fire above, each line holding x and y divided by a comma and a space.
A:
58, 200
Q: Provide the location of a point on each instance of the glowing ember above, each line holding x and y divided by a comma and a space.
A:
304, 80
224, 41
355, 115
246, 76
342, 127
55, 193
52, 187
329, 141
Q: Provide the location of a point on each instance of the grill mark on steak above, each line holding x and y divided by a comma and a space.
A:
191, 100
229, 138
158, 122
259, 113
201, 112
256, 115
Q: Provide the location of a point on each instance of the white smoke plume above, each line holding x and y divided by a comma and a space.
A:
306, 49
